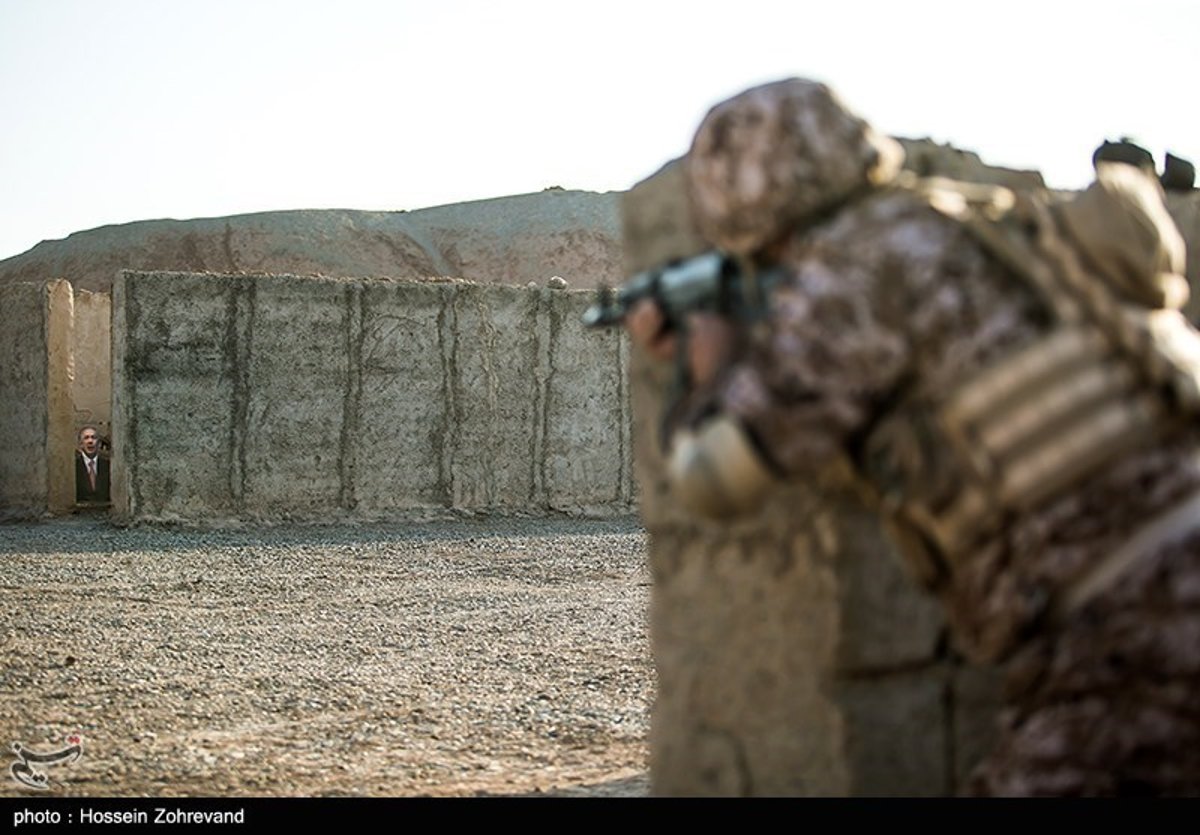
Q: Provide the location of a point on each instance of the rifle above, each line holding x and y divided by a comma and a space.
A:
712, 282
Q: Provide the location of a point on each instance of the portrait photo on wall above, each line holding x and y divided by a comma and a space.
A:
92, 468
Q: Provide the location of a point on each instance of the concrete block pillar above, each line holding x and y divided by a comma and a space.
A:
37, 469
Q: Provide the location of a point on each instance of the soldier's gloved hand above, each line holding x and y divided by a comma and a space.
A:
648, 329
714, 469
709, 339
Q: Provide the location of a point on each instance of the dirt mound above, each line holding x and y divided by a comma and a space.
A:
504, 240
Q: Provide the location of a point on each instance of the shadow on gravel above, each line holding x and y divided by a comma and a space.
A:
92, 533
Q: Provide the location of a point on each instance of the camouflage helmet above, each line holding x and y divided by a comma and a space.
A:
777, 155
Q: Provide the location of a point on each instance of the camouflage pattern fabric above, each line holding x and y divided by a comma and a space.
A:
887, 301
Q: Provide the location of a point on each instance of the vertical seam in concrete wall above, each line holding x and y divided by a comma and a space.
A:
950, 743
487, 324
543, 356
125, 437
448, 349
352, 398
118, 420
239, 337
554, 326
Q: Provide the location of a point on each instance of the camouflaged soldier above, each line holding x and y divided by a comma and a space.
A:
1016, 387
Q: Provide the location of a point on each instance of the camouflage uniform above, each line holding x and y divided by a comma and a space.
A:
888, 301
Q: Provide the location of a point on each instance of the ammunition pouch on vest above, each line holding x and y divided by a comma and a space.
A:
1118, 370
1012, 438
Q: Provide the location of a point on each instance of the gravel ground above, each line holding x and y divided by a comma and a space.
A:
473, 657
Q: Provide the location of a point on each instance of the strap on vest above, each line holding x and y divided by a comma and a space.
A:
1172, 526
1026, 429
1023, 432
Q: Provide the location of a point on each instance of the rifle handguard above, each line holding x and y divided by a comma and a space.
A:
715, 471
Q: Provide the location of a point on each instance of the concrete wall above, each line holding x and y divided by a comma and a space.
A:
91, 385
278, 398
37, 468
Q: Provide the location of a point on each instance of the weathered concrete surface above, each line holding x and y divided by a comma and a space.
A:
744, 626
276, 398
896, 733
975, 700
794, 655
91, 383
37, 470
504, 240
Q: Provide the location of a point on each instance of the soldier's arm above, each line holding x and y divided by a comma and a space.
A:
814, 376
710, 340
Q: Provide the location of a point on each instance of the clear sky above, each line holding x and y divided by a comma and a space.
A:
113, 111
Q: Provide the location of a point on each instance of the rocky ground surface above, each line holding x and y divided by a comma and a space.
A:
462, 658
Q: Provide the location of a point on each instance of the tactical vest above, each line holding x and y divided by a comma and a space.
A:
1119, 368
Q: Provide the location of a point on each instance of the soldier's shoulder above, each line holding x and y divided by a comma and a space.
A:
898, 213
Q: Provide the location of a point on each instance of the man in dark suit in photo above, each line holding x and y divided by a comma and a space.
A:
91, 469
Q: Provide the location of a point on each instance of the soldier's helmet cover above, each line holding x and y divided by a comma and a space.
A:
773, 156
